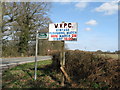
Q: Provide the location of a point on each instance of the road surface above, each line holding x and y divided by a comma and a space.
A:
7, 62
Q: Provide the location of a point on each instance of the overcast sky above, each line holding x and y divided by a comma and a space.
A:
97, 23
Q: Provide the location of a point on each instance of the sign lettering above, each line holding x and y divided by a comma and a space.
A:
63, 31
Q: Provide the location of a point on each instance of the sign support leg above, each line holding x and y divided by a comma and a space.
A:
63, 63
35, 77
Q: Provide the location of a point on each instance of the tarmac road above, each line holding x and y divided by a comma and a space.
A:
7, 62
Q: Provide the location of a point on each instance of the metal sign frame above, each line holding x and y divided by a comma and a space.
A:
36, 51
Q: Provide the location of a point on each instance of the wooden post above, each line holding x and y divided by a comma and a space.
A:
63, 54
62, 63
66, 75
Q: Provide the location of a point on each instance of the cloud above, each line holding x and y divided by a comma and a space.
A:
81, 5
91, 22
88, 29
108, 8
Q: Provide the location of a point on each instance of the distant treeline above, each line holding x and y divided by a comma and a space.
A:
11, 48
107, 52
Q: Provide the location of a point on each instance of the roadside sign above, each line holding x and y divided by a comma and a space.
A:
43, 35
63, 32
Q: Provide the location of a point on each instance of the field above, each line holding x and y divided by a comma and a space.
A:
114, 56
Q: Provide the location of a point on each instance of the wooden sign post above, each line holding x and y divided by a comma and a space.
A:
65, 31
62, 62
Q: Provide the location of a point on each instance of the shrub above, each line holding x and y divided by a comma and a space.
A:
81, 65
56, 60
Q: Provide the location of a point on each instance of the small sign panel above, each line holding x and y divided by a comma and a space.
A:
63, 32
43, 35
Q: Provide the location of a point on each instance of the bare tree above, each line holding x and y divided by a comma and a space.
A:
22, 19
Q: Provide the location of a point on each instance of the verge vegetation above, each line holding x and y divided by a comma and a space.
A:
22, 76
85, 69
90, 70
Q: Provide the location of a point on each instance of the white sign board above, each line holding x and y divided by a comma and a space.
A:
63, 32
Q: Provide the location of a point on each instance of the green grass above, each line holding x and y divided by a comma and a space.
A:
22, 76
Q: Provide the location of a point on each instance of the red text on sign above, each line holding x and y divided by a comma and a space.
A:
68, 39
54, 35
74, 35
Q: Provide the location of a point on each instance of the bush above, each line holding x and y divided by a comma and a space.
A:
89, 66
56, 60
80, 64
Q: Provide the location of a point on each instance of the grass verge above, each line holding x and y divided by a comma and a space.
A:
22, 76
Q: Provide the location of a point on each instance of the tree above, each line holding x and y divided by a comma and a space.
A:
0, 29
117, 52
24, 18
99, 51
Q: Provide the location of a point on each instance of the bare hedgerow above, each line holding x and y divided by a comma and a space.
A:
87, 67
